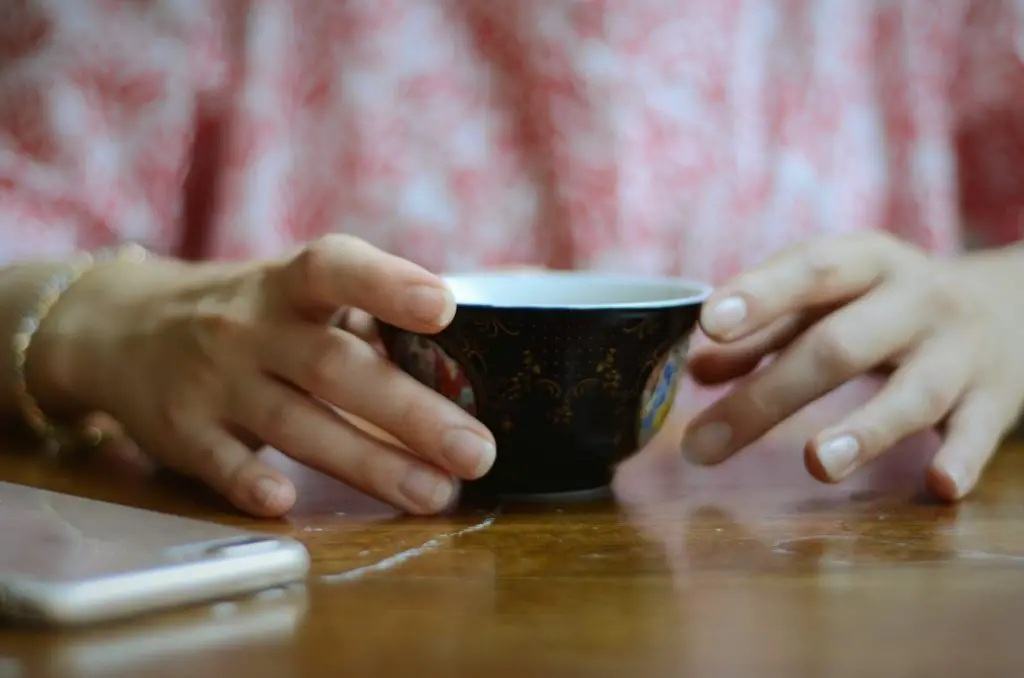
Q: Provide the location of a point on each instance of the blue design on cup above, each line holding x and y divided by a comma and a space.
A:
660, 393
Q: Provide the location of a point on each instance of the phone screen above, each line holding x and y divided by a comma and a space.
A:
41, 543
58, 537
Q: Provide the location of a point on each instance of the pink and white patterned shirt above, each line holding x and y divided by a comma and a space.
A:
656, 136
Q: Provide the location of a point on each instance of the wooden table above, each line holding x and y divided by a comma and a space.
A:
750, 569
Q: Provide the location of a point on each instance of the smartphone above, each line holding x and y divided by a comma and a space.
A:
253, 635
66, 560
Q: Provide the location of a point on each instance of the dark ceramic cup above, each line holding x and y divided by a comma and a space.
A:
572, 372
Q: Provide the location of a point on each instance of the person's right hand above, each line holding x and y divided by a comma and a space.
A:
203, 363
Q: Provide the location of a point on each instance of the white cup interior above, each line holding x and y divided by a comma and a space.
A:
572, 290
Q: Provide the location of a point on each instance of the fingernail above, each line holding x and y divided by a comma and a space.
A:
708, 444
427, 490
837, 456
469, 453
430, 305
270, 492
957, 476
725, 316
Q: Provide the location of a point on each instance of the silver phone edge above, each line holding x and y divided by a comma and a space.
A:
159, 589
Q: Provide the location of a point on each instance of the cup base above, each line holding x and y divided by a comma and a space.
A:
476, 495
572, 496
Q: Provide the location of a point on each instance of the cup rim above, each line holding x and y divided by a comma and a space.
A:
569, 290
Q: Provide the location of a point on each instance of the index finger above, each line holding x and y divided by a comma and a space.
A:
343, 271
812, 275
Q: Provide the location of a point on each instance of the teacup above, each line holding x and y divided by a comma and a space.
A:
572, 372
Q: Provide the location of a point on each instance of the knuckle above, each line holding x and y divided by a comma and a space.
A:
377, 472
366, 472
833, 352
214, 464
418, 419
824, 263
195, 390
945, 297
928, 401
883, 243
178, 409
312, 268
408, 413
761, 405
218, 332
329, 358
203, 378
331, 247
279, 416
233, 479
877, 238
339, 241
827, 261
317, 265
909, 409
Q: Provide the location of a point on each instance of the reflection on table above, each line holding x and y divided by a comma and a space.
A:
752, 568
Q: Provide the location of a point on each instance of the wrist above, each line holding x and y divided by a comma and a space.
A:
70, 360
62, 359
24, 290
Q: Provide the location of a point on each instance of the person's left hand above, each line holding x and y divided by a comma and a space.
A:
949, 332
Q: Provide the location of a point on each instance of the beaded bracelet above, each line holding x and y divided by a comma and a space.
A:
53, 435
